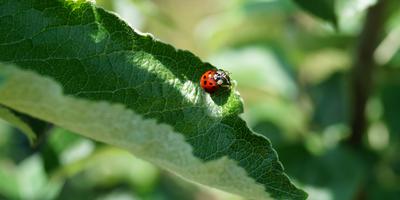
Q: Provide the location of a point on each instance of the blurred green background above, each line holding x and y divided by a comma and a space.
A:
295, 73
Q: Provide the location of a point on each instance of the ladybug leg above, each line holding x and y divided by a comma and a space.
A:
228, 82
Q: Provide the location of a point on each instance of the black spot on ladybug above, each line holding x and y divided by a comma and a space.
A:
209, 72
205, 82
210, 83
204, 76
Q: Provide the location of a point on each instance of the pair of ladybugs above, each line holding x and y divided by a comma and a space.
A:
213, 79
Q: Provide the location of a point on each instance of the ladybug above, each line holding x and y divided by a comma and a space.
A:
213, 79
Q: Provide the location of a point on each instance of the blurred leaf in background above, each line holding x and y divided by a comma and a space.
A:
8, 115
325, 9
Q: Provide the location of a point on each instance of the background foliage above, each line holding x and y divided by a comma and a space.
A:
297, 71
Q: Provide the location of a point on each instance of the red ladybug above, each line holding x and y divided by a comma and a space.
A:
214, 79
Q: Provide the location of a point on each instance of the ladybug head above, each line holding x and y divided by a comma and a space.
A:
222, 78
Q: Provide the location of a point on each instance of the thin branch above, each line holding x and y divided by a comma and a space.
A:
363, 69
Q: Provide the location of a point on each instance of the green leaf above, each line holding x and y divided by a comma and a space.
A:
95, 170
95, 76
390, 99
324, 9
27, 180
351, 14
330, 98
339, 171
9, 116
155, 142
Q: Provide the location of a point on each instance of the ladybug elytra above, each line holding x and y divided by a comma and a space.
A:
213, 79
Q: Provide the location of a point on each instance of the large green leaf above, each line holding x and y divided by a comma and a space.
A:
95, 76
324, 9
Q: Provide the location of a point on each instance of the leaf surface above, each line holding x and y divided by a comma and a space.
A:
9, 116
94, 75
324, 9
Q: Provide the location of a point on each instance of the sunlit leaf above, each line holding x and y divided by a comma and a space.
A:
97, 77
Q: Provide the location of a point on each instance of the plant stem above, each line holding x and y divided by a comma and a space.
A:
363, 69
